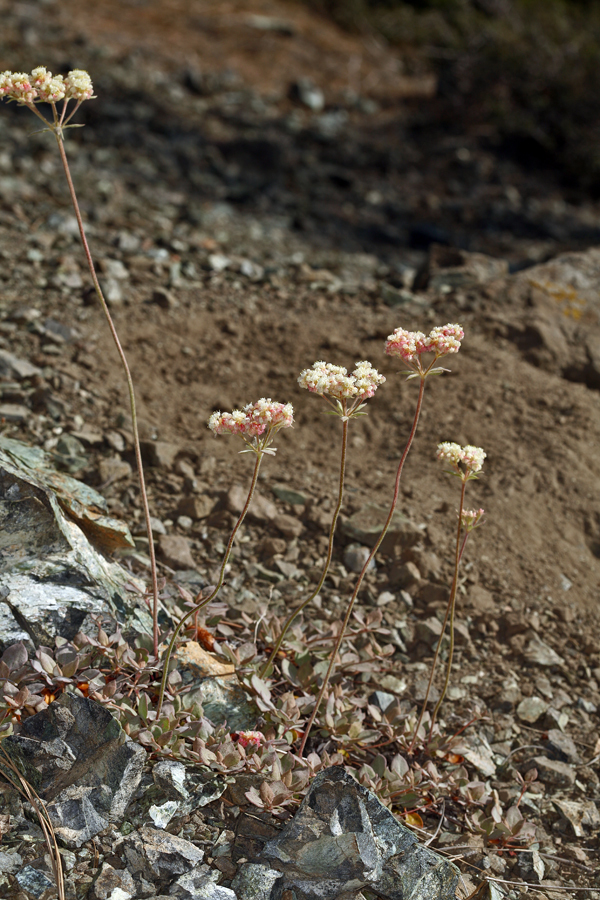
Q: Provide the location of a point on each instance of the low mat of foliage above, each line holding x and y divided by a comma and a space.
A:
435, 781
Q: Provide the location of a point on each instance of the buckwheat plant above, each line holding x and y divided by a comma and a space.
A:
65, 95
346, 395
420, 353
257, 424
465, 463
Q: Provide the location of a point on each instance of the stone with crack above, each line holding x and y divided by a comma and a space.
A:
341, 840
84, 765
151, 851
169, 775
201, 884
109, 879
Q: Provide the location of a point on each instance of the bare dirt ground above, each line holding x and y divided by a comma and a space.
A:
242, 235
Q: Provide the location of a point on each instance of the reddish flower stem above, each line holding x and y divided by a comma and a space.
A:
124, 363
213, 594
449, 613
317, 590
365, 567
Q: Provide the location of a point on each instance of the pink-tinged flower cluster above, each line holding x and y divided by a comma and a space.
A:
409, 345
466, 459
325, 378
252, 739
17, 86
254, 419
471, 518
42, 85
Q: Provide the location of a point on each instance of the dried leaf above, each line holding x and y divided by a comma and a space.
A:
413, 819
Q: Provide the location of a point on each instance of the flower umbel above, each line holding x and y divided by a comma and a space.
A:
252, 739
410, 345
471, 518
333, 382
44, 87
466, 461
257, 423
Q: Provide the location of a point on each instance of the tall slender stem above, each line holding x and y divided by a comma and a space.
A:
213, 594
365, 567
449, 609
317, 590
458, 555
120, 351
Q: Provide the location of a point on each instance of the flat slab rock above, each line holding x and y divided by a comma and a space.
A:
341, 840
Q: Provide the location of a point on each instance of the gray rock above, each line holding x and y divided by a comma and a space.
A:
111, 288
261, 509
218, 262
562, 746
161, 454
14, 412
175, 550
555, 719
85, 767
75, 815
109, 879
165, 855
450, 267
10, 862
393, 296
581, 815
531, 709
341, 840
551, 771
429, 631
540, 653
288, 495
114, 268
289, 526
478, 752
162, 815
200, 884
255, 881
170, 776
52, 567
158, 527
405, 575
224, 700
70, 453
355, 556
13, 367
366, 524
381, 699
164, 298
197, 506
35, 882
113, 469
307, 92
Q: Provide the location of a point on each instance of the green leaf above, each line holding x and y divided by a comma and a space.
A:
142, 707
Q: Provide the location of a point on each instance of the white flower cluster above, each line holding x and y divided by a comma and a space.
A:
254, 419
42, 85
325, 378
470, 457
